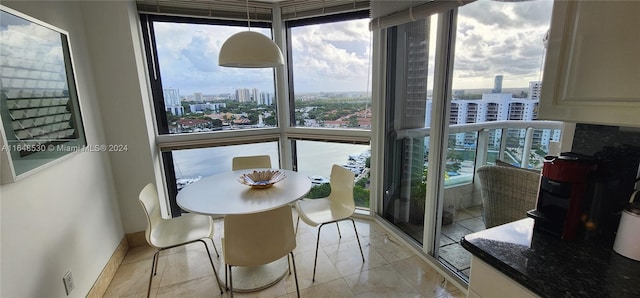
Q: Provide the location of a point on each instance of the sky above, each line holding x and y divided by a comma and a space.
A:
494, 38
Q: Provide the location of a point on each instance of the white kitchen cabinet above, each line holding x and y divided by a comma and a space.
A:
592, 68
485, 281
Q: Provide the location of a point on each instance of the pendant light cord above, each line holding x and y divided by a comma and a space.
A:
248, 18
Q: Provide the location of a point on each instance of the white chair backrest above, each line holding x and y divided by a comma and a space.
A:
258, 238
341, 182
250, 162
150, 203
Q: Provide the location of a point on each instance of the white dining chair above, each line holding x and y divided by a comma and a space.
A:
338, 206
250, 162
162, 233
257, 239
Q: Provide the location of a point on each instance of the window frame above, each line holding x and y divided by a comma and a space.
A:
293, 132
167, 142
153, 66
321, 134
284, 133
348, 16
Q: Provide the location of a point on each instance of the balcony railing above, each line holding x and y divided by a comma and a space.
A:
511, 141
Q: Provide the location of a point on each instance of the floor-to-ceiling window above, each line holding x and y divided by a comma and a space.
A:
493, 53
497, 73
410, 69
317, 114
330, 98
206, 114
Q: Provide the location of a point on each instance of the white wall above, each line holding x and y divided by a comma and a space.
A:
65, 217
71, 216
120, 72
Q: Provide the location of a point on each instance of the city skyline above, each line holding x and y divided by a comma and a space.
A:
335, 58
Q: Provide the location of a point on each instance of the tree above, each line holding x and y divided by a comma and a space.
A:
319, 191
216, 122
353, 121
253, 117
361, 196
270, 121
172, 118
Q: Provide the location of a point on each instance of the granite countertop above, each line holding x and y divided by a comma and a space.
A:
552, 267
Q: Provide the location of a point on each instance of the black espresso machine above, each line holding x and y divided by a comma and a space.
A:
582, 197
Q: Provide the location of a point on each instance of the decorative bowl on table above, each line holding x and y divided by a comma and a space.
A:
261, 179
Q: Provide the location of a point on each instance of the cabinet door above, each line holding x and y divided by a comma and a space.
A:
592, 69
486, 281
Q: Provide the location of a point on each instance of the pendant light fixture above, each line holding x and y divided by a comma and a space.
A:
250, 49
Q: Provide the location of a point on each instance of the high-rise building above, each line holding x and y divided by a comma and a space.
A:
246, 95
172, 101
202, 107
198, 97
265, 99
495, 107
534, 90
242, 95
171, 97
497, 84
254, 94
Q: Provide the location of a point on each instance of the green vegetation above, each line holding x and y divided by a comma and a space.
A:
360, 192
331, 109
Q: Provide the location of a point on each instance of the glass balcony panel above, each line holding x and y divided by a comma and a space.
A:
461, 158
493, 145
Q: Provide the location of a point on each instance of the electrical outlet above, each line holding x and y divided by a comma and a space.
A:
67, 279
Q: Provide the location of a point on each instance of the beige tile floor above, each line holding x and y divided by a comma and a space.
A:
390, 269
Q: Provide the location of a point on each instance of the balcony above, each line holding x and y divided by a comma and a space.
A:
520, 143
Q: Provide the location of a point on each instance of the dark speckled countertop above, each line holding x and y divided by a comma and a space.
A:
552, 267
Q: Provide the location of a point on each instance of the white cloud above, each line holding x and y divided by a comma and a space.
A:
188, 57
331, 57
500, 38
493, 38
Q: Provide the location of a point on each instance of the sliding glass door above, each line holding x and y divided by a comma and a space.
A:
410, 70
462, 91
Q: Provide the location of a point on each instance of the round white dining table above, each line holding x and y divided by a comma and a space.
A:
223, 194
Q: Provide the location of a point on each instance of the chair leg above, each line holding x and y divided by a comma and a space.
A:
339, 235
154, 265
295, 272
357, 238
226, 277
315, 261
215, 248
289, 264
215, 273
297, 225
230, 283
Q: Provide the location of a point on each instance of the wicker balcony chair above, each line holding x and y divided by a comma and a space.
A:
507, 193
